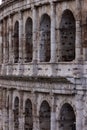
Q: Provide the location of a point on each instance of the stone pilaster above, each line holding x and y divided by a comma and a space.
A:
21, 119
24, 46
79, 112
34, 13
4, 45
78, 30
53, 38
11, 118
4, 111
35, 51
5, 41
20, 37
53, 114
78, 40
10, 40
1, 116
1, 52
35, 113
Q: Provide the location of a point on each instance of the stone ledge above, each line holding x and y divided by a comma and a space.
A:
36, 79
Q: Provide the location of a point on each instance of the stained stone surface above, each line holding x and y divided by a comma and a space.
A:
43, 65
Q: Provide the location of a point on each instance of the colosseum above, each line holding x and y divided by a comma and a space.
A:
43, 65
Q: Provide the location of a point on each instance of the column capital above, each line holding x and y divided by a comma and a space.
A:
20, 14
52, 3
33, 7
78, 10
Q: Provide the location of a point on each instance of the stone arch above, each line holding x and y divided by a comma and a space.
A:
45, 51
16, 113
29, 40
28, 115
16, 42
44, 116
67, 36
67, 118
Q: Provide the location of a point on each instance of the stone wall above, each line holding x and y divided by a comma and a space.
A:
43, 67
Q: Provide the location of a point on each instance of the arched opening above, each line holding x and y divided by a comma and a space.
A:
44, 116
45, 51
16, 114
29, 43
67, 118
28, 115
67, 36
16, 42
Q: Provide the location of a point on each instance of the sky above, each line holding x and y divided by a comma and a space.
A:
0, 1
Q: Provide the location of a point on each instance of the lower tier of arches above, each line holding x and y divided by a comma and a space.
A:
24, 110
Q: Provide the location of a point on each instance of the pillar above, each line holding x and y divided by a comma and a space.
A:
24, 44
78, 39
78, 30
20, 37
11, 115
5, 41
35, 112
10, 41
35, 51
4, 110
79, 111
1, 49
53, 114
34, 13
53, 38
21, 116
1, 116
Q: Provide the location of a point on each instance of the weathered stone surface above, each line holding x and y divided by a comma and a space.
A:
43, 65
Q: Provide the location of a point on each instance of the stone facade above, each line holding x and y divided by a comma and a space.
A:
43, 65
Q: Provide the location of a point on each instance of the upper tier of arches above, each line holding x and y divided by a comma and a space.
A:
28, 41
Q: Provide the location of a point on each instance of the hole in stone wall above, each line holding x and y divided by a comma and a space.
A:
28, 115
29, 44
16, 42
67, 34
44, 118
16, 113
67, 118
45, 38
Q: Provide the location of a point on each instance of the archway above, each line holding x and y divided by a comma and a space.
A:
16, 42
44, 116
67, 36
45, 50
67, 118
28, 116
29, 43
16, 114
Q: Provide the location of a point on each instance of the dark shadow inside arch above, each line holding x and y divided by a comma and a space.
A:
67, 118
67, 36
16, 113
45, 51
16, 42
29, 43
28, 116
44, 116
